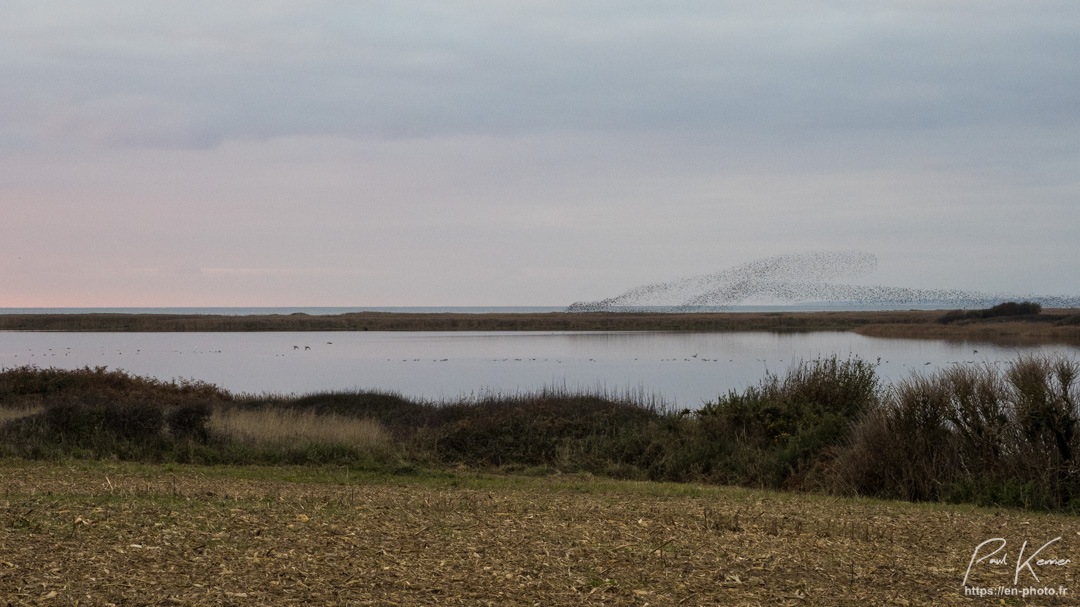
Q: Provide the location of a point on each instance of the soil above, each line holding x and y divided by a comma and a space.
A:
100, 533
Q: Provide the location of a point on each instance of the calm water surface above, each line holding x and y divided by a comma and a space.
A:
686, 368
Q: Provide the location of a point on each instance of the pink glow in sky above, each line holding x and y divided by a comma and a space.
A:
491, 153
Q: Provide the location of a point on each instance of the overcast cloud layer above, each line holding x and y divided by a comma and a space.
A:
528, 153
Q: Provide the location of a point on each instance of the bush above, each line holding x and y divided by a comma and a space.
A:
98, 412
189, 422
125, 429
1007, 309
133, 422
32, 384
784, 426
568, 432
1002, 437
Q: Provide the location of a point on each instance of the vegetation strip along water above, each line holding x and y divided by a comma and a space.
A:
1052, 325
992, 435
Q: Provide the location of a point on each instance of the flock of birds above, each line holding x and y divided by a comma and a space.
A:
795, 278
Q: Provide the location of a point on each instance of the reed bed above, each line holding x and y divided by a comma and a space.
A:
1047, 326
8, 414
290, 428
999, 332
388, 321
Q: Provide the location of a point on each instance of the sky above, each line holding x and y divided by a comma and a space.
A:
470, 153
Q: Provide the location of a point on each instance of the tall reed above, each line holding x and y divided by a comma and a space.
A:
290, 428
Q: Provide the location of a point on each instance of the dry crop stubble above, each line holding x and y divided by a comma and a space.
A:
98, 533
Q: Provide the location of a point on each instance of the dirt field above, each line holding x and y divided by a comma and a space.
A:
90, 533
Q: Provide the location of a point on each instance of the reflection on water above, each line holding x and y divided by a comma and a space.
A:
687, 368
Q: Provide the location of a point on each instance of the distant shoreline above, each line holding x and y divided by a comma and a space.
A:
339, 310
1052, 325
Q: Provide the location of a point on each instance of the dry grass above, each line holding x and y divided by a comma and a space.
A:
100, 533
1005, 333
281, 427
11, 413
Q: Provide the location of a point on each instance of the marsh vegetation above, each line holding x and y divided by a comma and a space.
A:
991, 435
425, 321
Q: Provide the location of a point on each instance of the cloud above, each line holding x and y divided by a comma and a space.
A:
530, 152
233, 272
129, 74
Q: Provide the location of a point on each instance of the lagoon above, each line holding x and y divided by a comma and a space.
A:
684, 369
